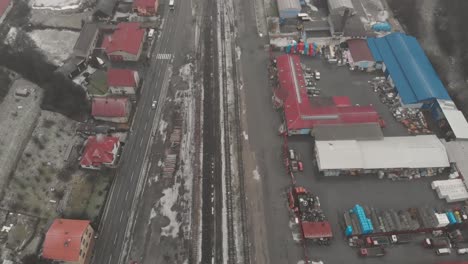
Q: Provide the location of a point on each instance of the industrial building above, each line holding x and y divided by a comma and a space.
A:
451, 120
415, 155
408, 70
289, 8
302, 114
360, 54
338, 7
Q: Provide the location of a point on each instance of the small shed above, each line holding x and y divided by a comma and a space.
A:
86, 42
360, 54
289, 8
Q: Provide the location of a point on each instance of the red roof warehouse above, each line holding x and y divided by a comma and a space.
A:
145, 7
100, 151
111, 109
301, 114
69, 240
313, 230
125, 43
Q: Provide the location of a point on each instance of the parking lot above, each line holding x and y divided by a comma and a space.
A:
338, 194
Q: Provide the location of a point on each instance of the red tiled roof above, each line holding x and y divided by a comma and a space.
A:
109, 107
359, 50
313, 230
63, 240
301, 113
128, 37
144, 3
3, 6
121, 77
98, 150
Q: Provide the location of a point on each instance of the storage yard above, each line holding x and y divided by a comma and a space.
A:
372, 143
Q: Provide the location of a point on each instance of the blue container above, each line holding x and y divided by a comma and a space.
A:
349, 230
451, 218
384, 26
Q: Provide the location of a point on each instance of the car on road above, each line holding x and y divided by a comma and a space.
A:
317, 75
153, 105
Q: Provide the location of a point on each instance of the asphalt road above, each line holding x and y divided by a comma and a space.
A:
117, 223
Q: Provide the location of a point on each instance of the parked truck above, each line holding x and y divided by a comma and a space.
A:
372, 252
437, 242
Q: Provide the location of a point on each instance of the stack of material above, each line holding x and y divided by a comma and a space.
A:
453, 190
442, 220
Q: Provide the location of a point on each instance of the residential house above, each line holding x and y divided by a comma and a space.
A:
122, 81
111, 109
145, 7
5, 7
69, 241
100, 151
126, 42
86, 42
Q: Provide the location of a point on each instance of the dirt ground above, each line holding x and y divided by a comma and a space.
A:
18, 116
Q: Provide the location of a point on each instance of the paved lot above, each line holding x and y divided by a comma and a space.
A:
336, 194
340, 81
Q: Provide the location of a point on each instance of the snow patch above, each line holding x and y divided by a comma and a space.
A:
312, 7
56, 4
152, 213
238, 52
296, 235
186, 72
256, 174
246, 137
162, 129
56, 44
382, 16
160, 163
166, 203
11, 36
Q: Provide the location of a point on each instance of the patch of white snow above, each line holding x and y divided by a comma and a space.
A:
246, 136
56, 4
56, 44
256, 174
162, 129
166, 203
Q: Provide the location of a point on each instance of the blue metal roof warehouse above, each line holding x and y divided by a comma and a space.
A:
411, 71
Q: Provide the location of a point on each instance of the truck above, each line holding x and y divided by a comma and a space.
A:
372, 252
380, 241
401, 239
437, 242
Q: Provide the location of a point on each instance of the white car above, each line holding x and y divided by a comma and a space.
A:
462, 251
317, 75
153, 105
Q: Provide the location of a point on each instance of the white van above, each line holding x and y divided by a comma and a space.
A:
150, 33
443, 251
171, 4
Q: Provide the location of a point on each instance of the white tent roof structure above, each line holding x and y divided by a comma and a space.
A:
424, 151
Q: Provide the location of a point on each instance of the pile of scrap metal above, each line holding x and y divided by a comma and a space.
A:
413, 119
310, 216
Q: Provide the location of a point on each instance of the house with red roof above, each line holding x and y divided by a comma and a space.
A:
361, 55
145, 7
100, 151
111, 109
122, 81
69, 241
302, 114
125, 43
5, 7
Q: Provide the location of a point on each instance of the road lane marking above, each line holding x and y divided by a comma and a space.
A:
141, 141
121, 214
131, 178
138, 157
115, 238
163, 56
126, 196
146, 125
110, 260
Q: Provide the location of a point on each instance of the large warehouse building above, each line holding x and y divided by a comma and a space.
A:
412, 154
302, 114
408, 69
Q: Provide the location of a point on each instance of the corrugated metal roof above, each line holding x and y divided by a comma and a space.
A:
359, 50
301, 113
63, 239
458, 153
105, 7
86, 39
314, 230
336, 4
410, 69
289, 5
348, 132
424, 151
128, 37
455, 118
109, 107
121, 77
